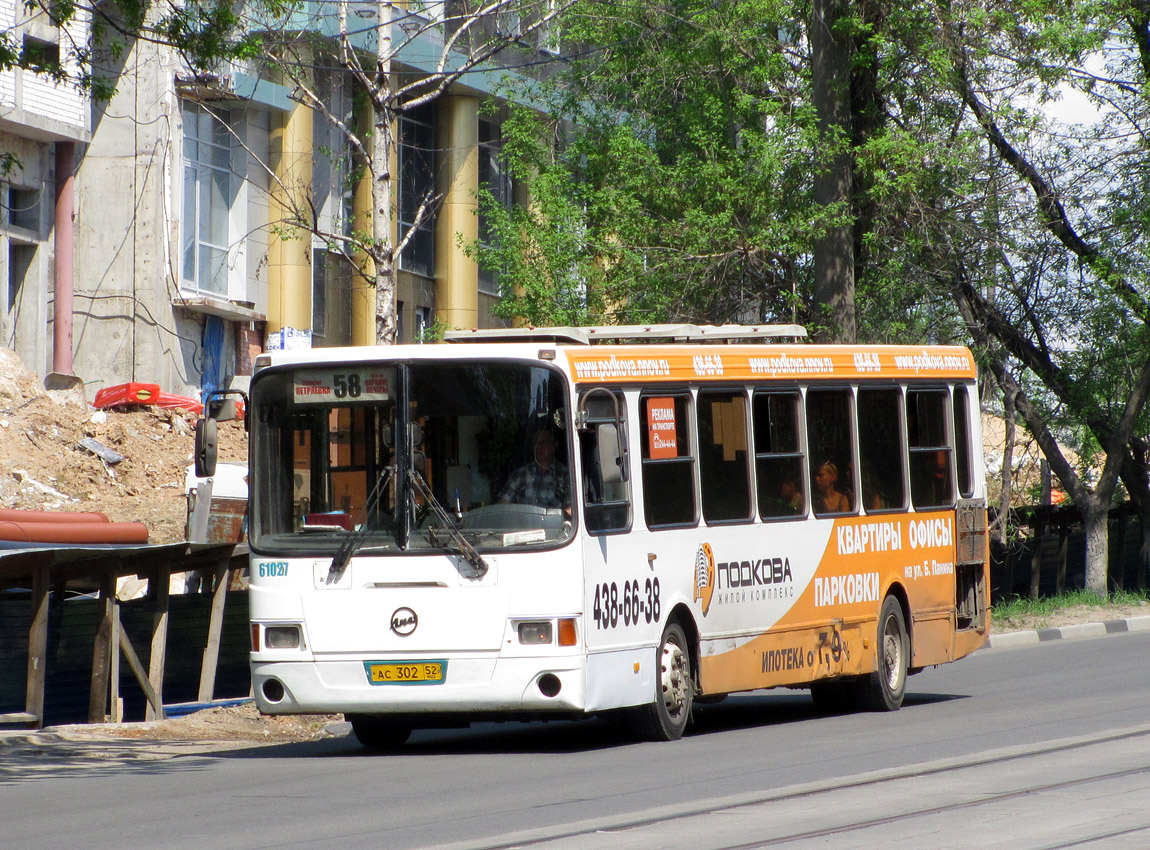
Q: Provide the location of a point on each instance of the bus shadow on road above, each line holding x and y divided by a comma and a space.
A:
482, 738
766, 709
756, 710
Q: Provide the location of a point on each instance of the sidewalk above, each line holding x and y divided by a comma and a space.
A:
1008, 640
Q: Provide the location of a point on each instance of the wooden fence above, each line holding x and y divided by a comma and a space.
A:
1051, 558
72, 628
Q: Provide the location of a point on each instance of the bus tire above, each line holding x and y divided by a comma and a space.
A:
667, 715
884, 689
379, 732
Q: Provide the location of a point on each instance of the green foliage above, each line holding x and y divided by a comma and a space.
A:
683, 162
1018, 608
433, 332
673, 181
677, 190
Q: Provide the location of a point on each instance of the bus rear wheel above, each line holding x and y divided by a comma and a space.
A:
884, 689
379, 732
665, 718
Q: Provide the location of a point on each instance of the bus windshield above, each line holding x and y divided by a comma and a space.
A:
474, 449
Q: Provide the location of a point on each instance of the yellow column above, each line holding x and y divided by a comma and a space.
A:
363, 295
289, 249
363, 276
456, 274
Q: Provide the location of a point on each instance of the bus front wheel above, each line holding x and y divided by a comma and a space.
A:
884, 689
379, 732
665, 718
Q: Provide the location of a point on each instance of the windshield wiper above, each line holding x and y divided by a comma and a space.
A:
469, 553
354, 540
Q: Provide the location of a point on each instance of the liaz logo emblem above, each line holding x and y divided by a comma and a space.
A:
404, 621
705, 576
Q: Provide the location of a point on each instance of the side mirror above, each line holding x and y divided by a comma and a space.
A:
220, 409
206, 447
219, 406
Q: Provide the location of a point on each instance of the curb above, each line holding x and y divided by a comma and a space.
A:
1075, 632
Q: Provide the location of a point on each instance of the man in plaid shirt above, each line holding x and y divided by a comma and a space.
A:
543, 482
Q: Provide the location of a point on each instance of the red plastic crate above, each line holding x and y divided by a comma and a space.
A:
181, 402
124, 394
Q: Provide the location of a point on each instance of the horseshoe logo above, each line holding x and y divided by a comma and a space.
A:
705, 576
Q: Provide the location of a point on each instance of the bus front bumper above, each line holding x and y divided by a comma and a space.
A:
538, 685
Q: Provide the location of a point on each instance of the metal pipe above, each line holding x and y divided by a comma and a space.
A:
63, 280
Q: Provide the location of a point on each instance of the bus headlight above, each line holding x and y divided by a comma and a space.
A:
535, 632
282, 637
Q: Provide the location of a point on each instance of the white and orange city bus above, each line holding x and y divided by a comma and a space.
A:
558, 522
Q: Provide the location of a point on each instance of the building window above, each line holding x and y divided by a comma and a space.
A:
207, 201
422, 324
549, 34
20, 259
351, 172
416, 190
22, 209
319, 292
494, 177
41, 56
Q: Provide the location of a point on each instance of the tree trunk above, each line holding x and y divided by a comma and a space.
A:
1094, 520
833, 265
381, 214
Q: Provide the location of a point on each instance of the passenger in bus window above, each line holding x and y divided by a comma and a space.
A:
543, 481
829, 499
787, 500
791, 496
932, 479
874, 499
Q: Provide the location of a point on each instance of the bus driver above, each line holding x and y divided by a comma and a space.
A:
543, 481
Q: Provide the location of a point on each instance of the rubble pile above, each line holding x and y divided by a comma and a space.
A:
62, 454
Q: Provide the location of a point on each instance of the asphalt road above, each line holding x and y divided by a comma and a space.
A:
984, 740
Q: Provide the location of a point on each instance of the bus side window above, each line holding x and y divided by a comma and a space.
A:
831, 451
778, 455
880, 449
606, 493
963, 456
723, 463
668, 466
930, 452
